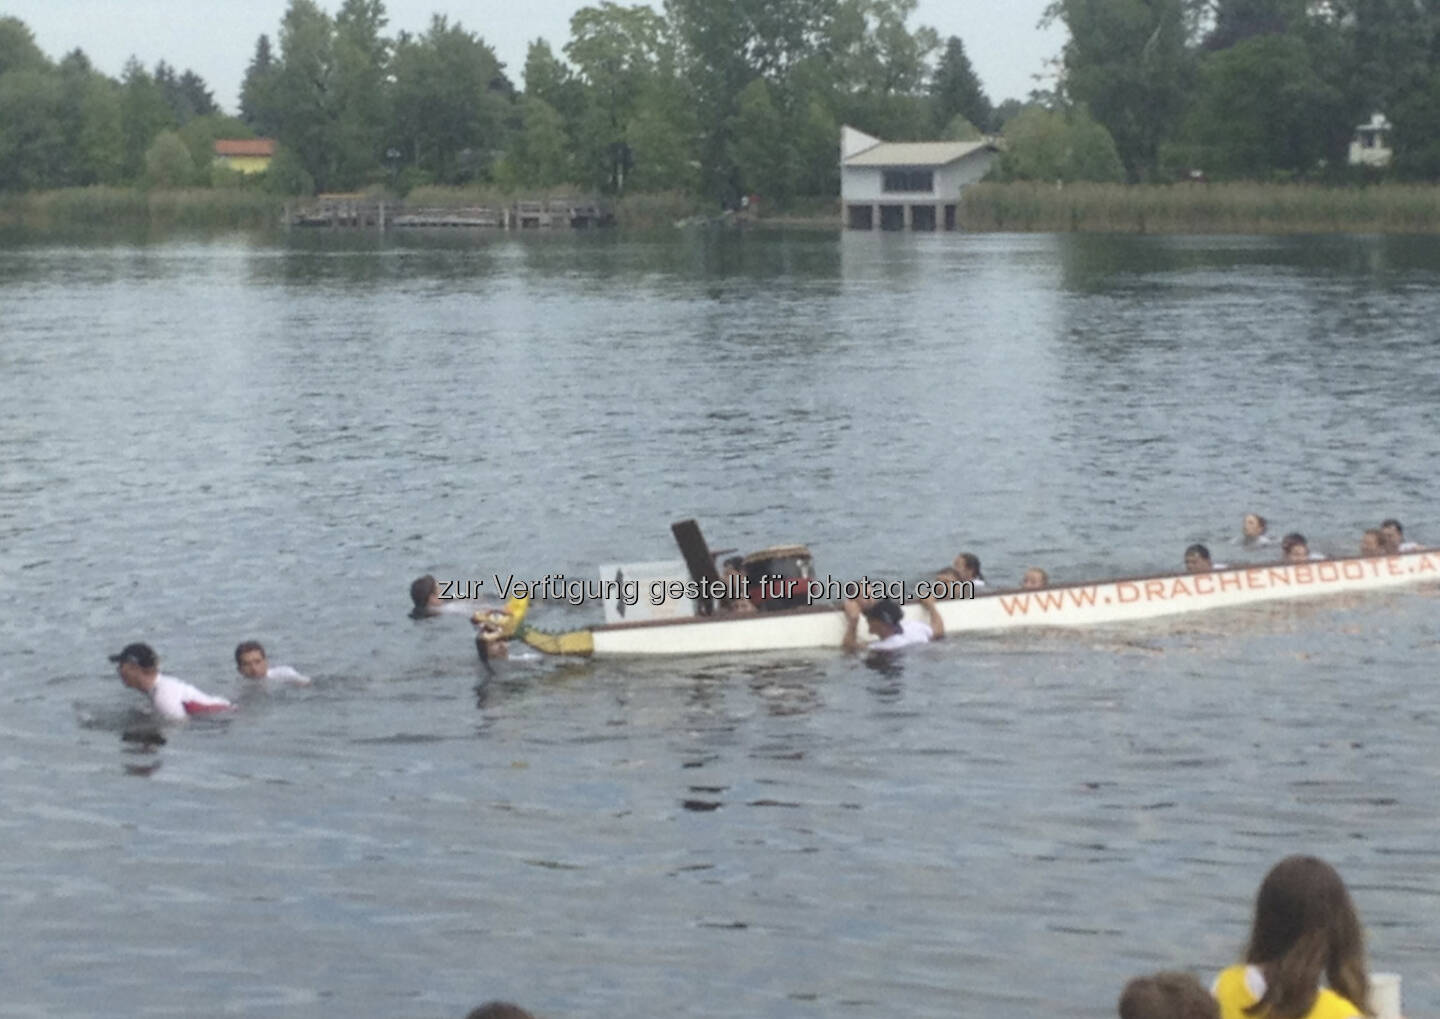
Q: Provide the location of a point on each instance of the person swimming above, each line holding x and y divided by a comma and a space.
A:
429, 597
252, 663
139, 668
1253, 528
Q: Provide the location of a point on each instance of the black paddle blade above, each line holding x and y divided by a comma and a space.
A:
698, 559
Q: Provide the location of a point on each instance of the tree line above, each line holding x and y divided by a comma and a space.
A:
1254, 89
721, 99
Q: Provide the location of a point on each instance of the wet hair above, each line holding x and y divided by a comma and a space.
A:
1392, 522
734, 563
885, 611
1168, 995
1198, 549
498, 1010
1037, 572
421, 589
1291, 540
948, 574
973, 562
245, 647
1305, 927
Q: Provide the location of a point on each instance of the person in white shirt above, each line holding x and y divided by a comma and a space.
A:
139, 669
1395, 537
251, 662
887, 623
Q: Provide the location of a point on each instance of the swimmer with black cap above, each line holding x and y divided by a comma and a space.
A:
887, 624
175, 699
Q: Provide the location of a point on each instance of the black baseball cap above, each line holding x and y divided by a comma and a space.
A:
142, 655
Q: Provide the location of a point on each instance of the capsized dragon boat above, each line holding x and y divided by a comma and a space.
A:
1063, 605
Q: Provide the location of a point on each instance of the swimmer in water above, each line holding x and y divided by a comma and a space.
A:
250, 662
175, 699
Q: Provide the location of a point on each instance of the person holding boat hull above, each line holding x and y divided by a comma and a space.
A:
886, 621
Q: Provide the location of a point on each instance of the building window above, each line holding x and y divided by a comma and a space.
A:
910, 180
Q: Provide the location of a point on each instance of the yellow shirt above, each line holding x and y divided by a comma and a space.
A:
1239, 987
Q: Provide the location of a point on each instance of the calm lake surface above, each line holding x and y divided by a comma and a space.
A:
208, 441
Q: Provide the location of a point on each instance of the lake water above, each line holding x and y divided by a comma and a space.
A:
207, 441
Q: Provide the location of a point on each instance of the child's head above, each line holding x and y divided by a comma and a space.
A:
1306, 926
1167, 996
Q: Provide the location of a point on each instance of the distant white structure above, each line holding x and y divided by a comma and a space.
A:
907, 185
1371, 144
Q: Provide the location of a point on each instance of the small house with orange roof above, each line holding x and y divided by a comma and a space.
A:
246, 155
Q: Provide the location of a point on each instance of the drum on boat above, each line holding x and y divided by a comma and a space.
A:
779, 577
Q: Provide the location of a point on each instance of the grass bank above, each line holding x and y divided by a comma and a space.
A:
107, 207
1201, 208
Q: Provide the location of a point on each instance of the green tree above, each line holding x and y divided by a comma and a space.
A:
1047, 145
185, 94
817, 135
287, 175
661, 136
18, 51
725, 46
144, 113
960, 130
881, 69
299, 102
90, 123
617, 51
1260, 109
168, 163
548, 78
1127, 61
32, 139
1238, 20
762, 148
1385, 47
956, 89
256, 105
1416, 135
360, 101
449, 103
539, 154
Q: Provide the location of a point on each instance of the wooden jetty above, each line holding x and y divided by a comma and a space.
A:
366, 212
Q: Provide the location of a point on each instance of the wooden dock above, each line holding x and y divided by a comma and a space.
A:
364, 212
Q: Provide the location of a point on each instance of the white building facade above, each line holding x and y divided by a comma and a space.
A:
1370, 145
907, 185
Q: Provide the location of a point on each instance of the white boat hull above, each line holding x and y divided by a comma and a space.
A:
1108, 602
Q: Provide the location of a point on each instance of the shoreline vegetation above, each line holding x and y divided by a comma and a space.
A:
989, 207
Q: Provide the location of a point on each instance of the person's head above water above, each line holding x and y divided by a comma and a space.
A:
424, 593
250, 659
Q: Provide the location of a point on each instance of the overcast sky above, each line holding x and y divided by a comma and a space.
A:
216, 40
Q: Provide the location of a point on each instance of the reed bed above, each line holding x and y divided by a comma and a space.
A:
1194, 208
103, 208
657, 209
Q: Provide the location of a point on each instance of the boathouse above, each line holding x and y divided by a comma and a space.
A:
907, 185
